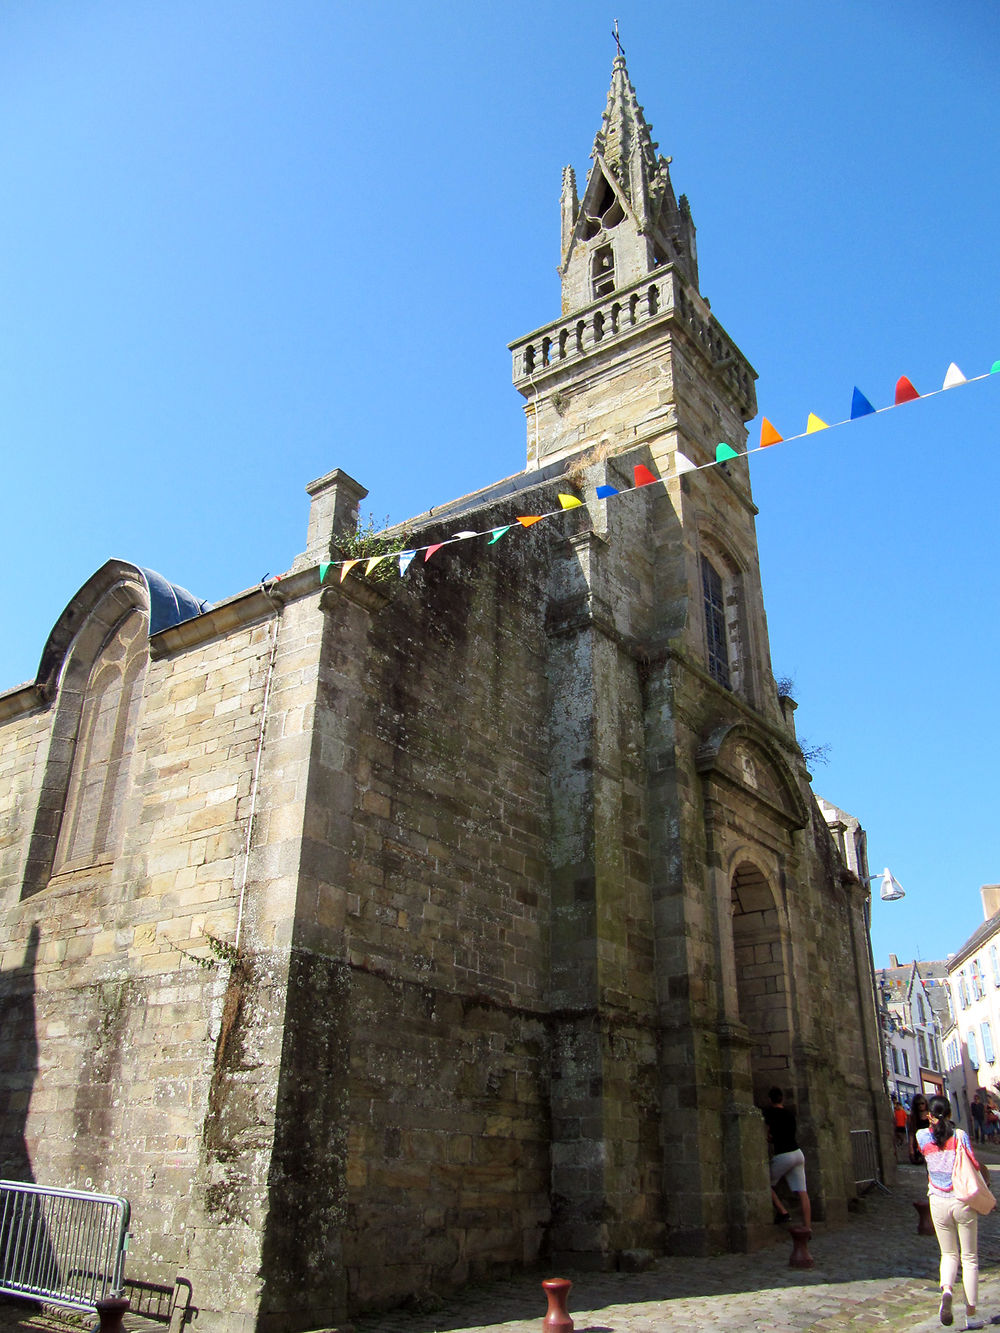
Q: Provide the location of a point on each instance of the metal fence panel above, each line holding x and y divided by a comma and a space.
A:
865, 1157
66, 1246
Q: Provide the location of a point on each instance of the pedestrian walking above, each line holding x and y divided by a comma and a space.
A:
899, 1123
978, 1116
955, 1223
917, 1121
788, 1162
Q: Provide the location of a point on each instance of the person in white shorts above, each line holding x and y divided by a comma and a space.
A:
788, 1162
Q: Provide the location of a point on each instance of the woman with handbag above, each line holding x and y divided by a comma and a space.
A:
956, 1223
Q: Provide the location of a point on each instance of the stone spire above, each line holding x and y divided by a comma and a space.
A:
628, 205
624, 142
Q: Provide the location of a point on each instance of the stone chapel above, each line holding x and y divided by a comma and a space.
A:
372, 935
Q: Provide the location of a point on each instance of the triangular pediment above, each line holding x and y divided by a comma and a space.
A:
739, 757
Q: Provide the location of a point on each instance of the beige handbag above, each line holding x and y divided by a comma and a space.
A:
968, 1185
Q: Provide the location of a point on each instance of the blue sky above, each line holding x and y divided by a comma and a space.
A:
243, 243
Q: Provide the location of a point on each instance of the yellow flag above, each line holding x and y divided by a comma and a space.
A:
814, 424
570, 502
346, 568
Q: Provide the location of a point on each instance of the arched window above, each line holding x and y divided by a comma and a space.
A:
91, 821
716, 636
602, 271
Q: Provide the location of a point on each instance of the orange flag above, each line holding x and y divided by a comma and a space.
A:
527, 521
768, 435
346, 567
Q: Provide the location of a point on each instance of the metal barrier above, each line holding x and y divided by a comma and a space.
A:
64, 1246
865, 1158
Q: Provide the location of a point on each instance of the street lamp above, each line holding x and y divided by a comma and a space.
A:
891, 888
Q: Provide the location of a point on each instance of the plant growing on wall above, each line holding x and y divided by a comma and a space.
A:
371, 538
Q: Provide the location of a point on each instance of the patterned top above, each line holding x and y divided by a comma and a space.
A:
941, 1161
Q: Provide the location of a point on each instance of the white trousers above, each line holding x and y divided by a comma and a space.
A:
957, 1227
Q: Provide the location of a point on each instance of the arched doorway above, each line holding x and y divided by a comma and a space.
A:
762, 984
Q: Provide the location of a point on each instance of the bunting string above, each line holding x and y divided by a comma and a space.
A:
905, 392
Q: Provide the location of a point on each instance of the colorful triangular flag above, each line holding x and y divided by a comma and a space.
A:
569, 501
604, 491
905, 392
724, 452
995, 367
768, 435
860, 406
346, 567
375, 560
497, 534
952, 377
324, 566
643, 476
815, 423
405, 560
526, 520
683, 464
461, 536
431, 549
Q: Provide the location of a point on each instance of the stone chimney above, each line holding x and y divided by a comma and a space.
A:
333, 512
991, 900
893, 960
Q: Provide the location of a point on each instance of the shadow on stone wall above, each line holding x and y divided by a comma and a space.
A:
18, 1061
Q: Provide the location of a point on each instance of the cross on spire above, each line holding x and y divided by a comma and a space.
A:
621, 49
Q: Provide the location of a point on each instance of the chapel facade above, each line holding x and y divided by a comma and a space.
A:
374, 935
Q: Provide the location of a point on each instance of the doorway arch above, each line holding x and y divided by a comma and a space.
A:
762, 983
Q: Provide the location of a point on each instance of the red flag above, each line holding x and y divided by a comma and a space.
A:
905, 392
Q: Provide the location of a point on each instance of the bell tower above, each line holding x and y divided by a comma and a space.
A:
637, 356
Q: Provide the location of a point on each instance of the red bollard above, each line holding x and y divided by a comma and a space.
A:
110, 1312
557, 1319
925, 1227
801, 1258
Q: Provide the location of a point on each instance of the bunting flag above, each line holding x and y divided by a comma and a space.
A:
768, 435
860, 406
905, 392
